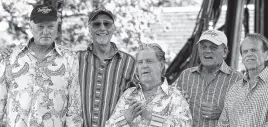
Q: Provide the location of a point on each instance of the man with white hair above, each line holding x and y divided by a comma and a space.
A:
207, 84
39, 81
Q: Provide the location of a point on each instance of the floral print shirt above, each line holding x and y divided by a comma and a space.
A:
168, 107
40, 93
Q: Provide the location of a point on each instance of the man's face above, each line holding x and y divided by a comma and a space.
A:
102, 28
211, 54
149, 68
253, 55
44, 33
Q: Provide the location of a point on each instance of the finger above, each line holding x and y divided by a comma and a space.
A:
205, 113
134, 106
132, 102
138, 113
12, 45
138, 108
9, 49
4, 54
7, 53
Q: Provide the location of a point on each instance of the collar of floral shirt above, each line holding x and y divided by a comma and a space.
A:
113, 52
224, 68
263, 76
163, 87
25, 47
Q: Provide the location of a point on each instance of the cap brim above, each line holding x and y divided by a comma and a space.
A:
101, 12
39, 19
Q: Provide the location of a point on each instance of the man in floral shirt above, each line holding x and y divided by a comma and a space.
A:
39, 81
153, 103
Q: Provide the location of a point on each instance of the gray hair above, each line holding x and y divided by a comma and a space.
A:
159, 53
257, 37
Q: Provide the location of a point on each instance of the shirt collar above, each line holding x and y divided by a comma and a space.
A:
163, 87
55, 47
224, 68
113, 52
263, 75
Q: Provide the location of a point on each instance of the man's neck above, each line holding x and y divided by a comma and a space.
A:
253, 73
210, 69
40, 50
102, 50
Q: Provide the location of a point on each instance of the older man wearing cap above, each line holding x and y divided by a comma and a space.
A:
39, 81
208, 83
246, 103
105, 71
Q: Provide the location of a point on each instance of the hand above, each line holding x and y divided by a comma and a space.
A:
147, 115
134, 110
5, 52
210, 111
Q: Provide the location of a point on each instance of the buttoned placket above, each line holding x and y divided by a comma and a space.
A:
98, 91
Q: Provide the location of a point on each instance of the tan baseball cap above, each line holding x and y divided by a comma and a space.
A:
215, 36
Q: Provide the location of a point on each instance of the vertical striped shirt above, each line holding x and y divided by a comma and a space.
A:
102, 83
199, 90
247, 105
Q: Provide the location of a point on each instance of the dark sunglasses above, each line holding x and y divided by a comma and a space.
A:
97, 24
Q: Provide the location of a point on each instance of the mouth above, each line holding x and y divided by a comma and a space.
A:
102, 34
208, 57
144, 73
250, 60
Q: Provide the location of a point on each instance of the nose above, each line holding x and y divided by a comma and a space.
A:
102, 27
46, 31
208, 50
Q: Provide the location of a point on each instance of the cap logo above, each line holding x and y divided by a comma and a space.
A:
44, 10
211, 33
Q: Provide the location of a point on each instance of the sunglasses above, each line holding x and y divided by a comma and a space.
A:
106, 24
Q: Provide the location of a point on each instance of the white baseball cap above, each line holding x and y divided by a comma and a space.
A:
215, 36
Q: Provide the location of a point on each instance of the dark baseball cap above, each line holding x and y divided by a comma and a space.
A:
96, 12
42, 13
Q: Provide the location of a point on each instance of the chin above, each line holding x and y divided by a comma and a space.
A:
102, 40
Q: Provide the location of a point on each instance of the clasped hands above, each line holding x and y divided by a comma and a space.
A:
135, 109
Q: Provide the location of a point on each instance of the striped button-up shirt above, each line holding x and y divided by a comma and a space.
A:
199, 90
247, 105
102, 83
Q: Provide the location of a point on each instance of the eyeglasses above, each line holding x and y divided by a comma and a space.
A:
106, 24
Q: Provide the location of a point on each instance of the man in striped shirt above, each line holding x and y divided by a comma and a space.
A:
246, 103
207, 84
105, 71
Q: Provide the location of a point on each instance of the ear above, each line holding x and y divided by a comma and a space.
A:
31, 24
266, 55
225, 51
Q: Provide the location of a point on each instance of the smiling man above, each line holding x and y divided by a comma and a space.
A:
247, 100
39, 81
105, 71
207, 84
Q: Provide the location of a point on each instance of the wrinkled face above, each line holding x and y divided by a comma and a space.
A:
102, 28
253, 55
148, 67
44, 33
211, 54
